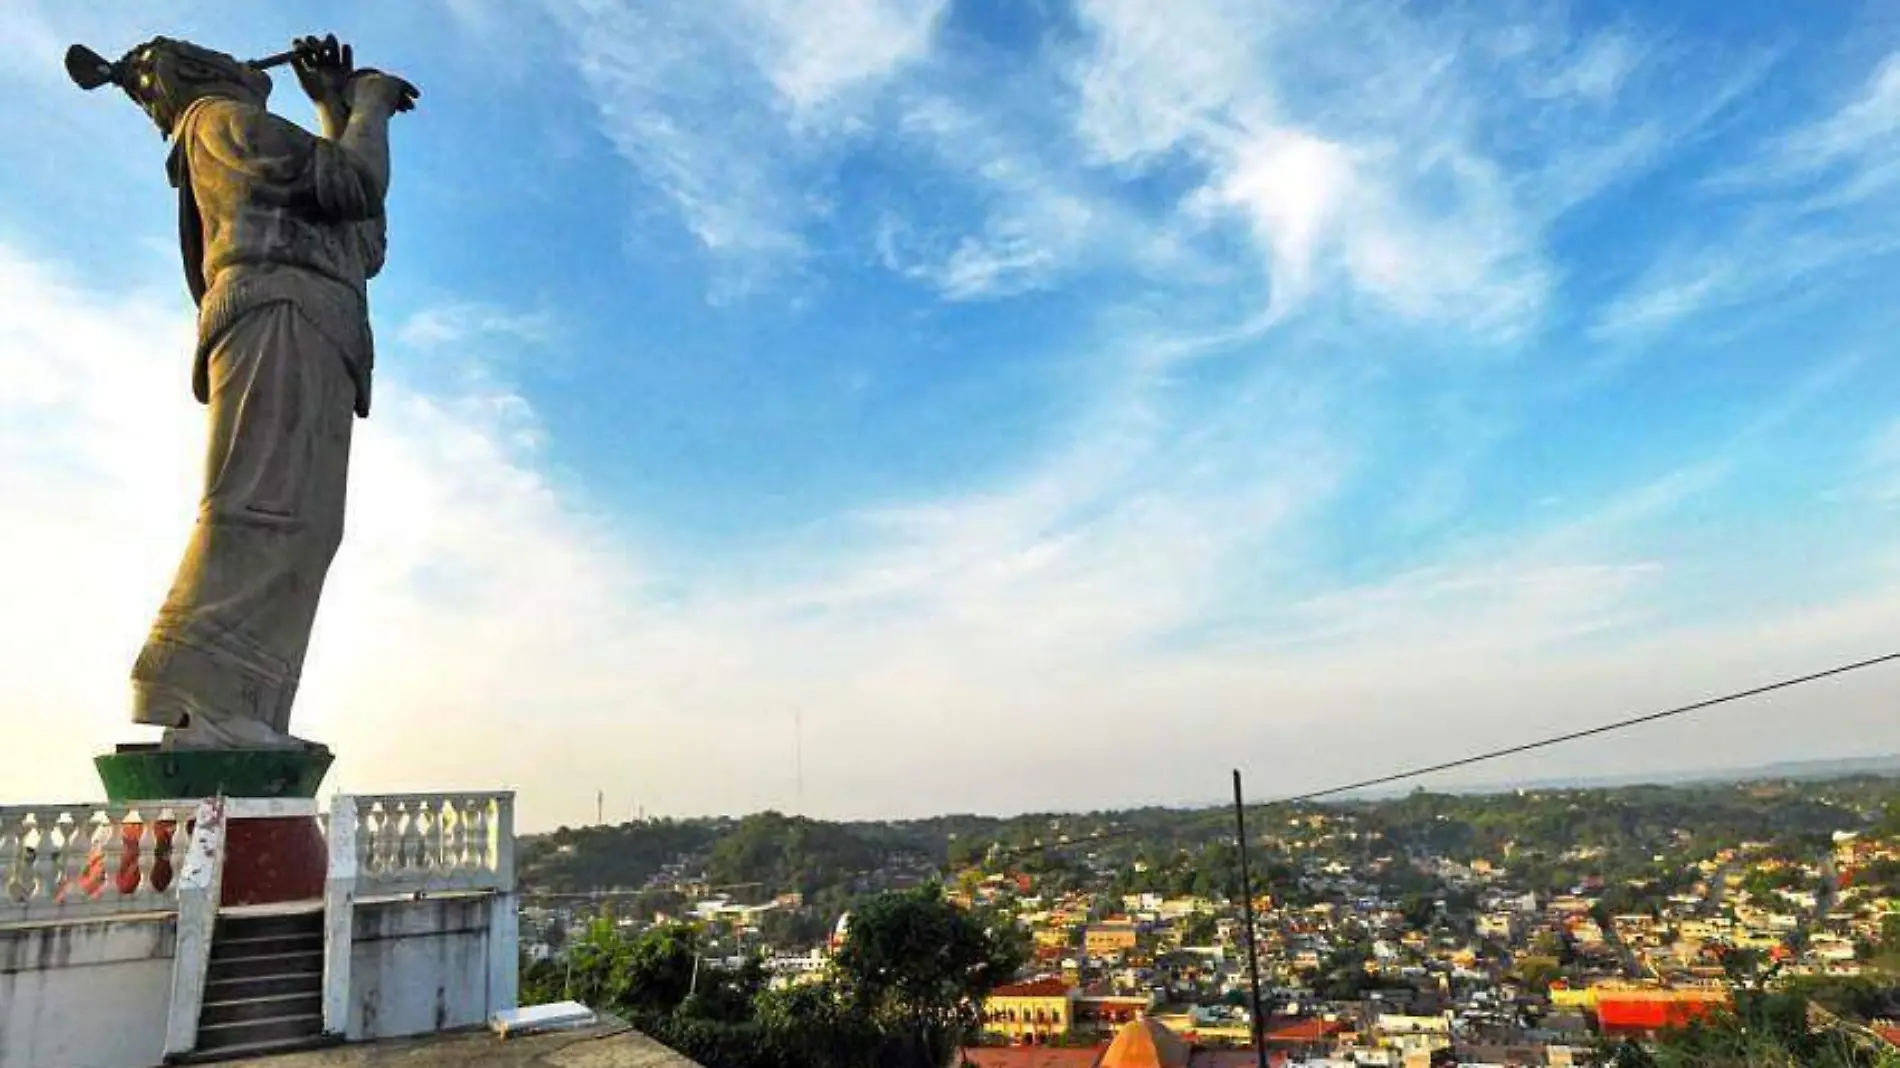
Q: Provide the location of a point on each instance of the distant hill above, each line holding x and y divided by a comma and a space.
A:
1788, 771
605, 857
760, 856
769, 853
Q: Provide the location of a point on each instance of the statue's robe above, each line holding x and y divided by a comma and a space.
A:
280, 231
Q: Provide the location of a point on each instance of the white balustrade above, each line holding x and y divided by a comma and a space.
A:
411, 843
70, 862
60, 862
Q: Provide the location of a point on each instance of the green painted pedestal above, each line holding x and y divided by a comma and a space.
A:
148, 773
267, 859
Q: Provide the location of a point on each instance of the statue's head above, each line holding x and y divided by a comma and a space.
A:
164, 76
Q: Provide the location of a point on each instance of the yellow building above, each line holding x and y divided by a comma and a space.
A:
1032, 1012
1106, 939
1563, 996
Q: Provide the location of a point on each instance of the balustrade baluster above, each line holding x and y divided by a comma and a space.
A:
13, 859
12, 855
388, 850
429, 848
41, 867
454, 856
70, 857
447, 825
138, 882
92, 855
472, 836
365, 836
426, 819
376, 819
479, 854
170, 833
459, 845
439, 843
410, 843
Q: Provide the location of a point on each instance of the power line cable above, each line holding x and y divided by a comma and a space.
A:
1494, 754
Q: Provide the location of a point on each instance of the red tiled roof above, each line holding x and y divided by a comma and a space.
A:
1306, 1030
1039, 988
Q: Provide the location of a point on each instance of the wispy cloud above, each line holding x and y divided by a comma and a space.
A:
545, 649
1810, 202
1026, 221
1881, 465
1366, 149
726, 109
458, 321
1855, 149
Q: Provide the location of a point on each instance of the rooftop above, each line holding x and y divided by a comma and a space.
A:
611, 1044
1039, 988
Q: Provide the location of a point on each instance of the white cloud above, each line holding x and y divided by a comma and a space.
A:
1671, 291
456, 322
485, 627
453, 539
1820, 199
1857, 145
816, 52
724, 107
1030, 224
1352, 152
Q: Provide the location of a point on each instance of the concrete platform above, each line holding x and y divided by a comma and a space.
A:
610, 1044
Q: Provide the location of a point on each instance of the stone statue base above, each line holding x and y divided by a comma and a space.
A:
268, 859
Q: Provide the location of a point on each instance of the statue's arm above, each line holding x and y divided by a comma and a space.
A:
370, 98
351, 171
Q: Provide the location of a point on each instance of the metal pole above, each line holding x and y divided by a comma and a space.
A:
1253, 948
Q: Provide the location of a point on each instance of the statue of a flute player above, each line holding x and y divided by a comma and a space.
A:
281, 231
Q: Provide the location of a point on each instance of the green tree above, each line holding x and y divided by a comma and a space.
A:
821, 1025
1765, 1030
1742, 966
1538, 973
923, 965
1199, 929
608, 970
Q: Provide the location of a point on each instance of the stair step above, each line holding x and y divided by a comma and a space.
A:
252, 1050
305, 963
223, 948
245, 1010
263, 986
248, 1034
276, 925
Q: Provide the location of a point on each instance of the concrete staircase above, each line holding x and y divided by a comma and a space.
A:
264, 990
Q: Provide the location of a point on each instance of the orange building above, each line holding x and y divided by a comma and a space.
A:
1623, 1012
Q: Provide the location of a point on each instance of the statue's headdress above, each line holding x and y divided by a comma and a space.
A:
163, 76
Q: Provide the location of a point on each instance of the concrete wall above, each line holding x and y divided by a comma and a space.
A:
419, 966
90, 994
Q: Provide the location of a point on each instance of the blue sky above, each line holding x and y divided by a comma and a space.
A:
1055, 403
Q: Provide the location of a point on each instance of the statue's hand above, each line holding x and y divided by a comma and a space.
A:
324, 69
371, 88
